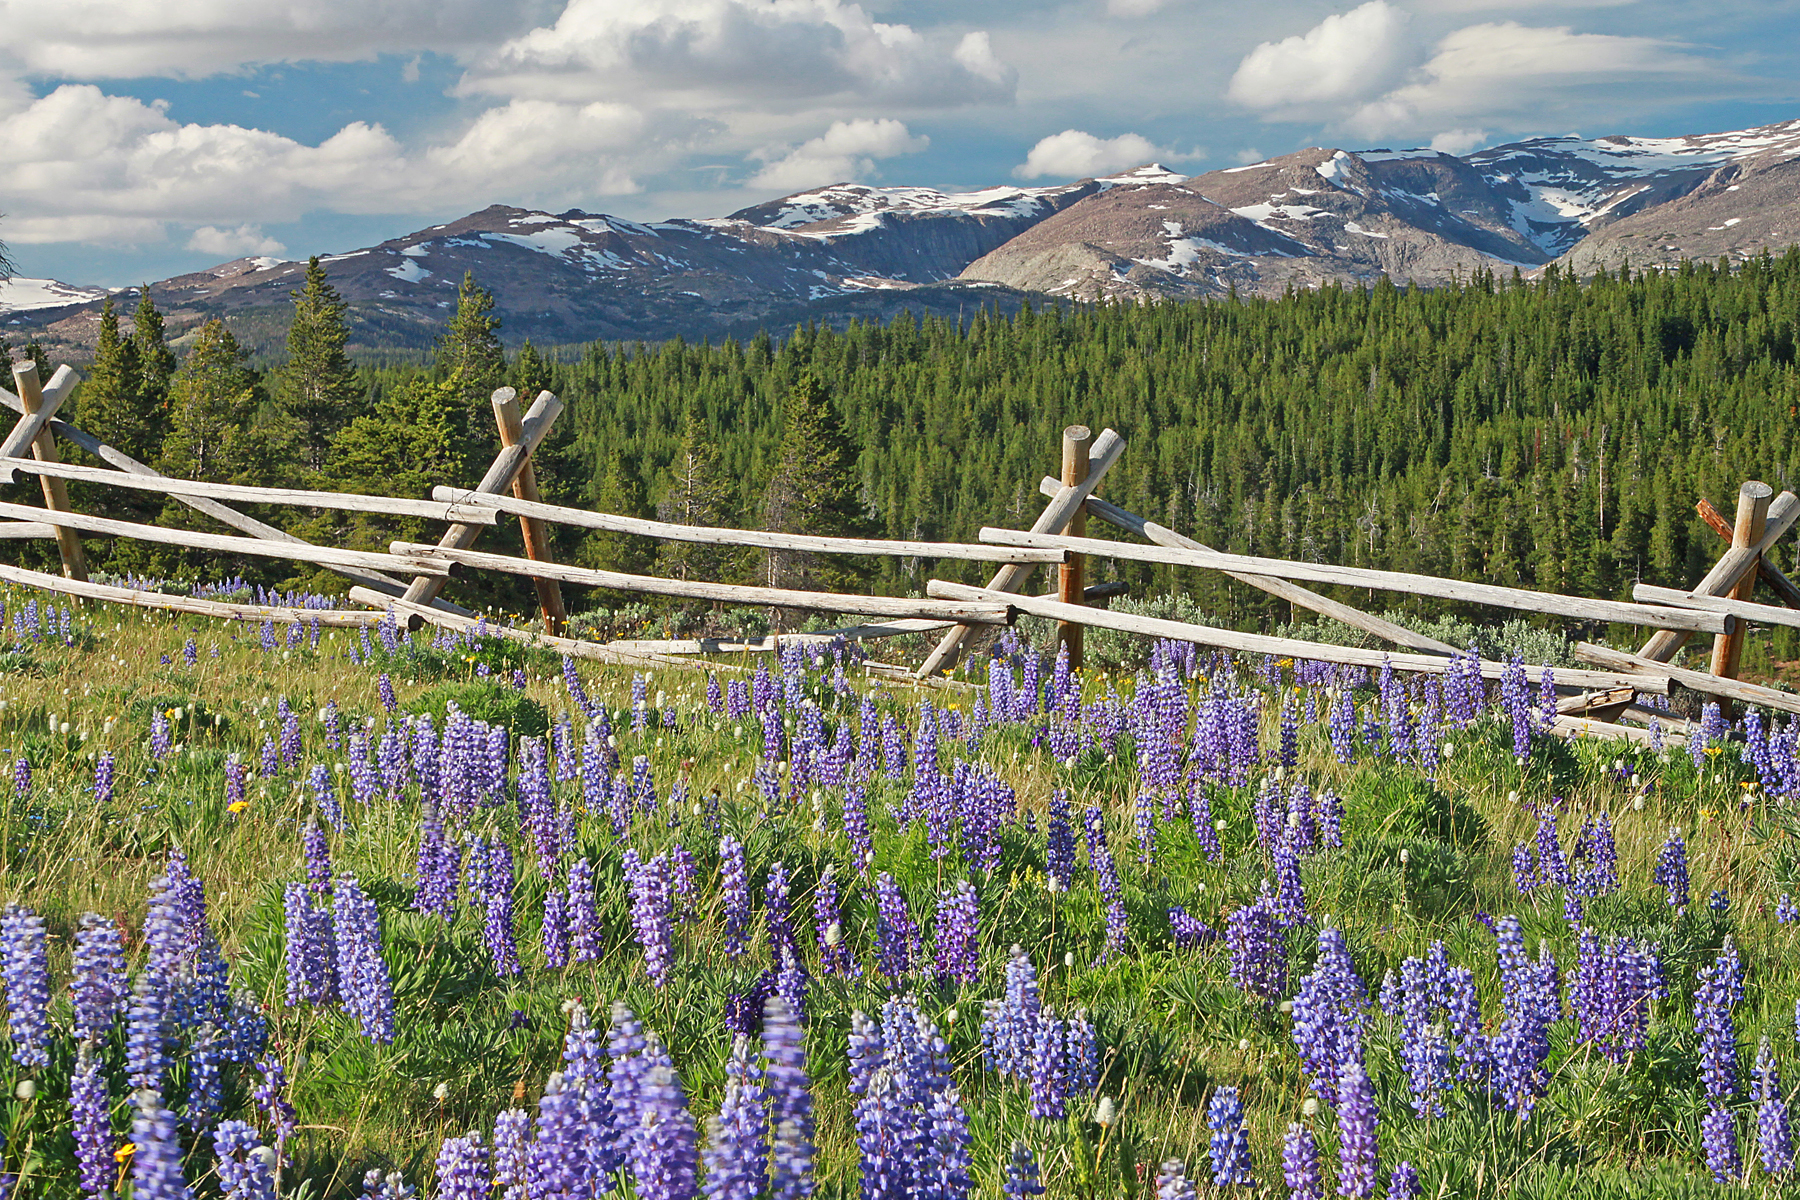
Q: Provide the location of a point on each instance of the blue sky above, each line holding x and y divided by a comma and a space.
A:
143, 139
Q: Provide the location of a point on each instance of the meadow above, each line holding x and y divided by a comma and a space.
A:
331, 914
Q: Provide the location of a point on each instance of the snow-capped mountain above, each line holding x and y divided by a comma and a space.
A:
1314, 217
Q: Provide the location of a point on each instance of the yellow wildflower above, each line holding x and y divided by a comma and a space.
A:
124, 1152
237, 806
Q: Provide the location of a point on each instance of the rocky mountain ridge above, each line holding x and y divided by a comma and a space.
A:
1315, 217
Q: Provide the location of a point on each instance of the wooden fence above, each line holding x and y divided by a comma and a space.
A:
1596, 700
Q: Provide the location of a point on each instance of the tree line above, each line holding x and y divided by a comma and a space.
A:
1552, 433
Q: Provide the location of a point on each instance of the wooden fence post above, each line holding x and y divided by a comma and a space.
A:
1076, 440
56, 492
1752, 517
1765, 570
536, 534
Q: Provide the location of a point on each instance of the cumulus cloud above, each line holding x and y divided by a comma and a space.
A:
1347, 56
90, 166
1074, 152
1458, 141
97, 39
701, 51
1505, 71
847, 150
233, 243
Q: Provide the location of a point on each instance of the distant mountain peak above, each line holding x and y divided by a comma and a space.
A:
1314, 217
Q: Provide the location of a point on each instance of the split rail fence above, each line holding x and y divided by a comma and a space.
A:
1601, 699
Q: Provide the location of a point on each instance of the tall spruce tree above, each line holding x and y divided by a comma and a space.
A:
156, 367
403, 448
112, 405
317, 390
813, 490
530, 373
470, 360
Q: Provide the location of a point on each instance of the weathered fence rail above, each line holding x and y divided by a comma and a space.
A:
406, 580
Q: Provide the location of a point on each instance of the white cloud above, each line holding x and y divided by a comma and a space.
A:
1347, 56
88, 166
699, 52
1459, 141
1076, 153
95, 39
233, 243
1520, 75
845, 151
1134, 8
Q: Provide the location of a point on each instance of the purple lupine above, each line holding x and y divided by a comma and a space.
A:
1515, 693
244, 1163
828, 921
1258, 951
439, 866
1229, 1146
663, 1154
1774, 1132
737, 1139
1189, 932
512, 1131
1022, 1175
22, 779
311, 949
497, 907
271, 1099
958, 953
648, 883
734, 894
896, 933
1671, 873
553, 931
161, 744
1610, 990
156, 1161
1404, 1183
363, 978
391, 1186
1290, 894
317, 850
1009, 1025
776, 915
790, 1103
1719, 1143
1357, 1119
1106, 875
1300, 1164
325, 795
103, 778
1721, 988
90, 1108
1172, 1182
99, 991
1341, 727
464, 1170
1329, 1011
1518, 1049
584, 917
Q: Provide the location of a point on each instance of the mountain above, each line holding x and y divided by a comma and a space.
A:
1317, 216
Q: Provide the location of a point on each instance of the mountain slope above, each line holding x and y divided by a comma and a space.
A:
1308, 219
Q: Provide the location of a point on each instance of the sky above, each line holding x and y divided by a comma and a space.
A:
146, 138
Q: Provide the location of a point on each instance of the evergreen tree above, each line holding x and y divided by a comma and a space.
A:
112, 406
34, 350
403, 448
813, 490
470, 360
697, 495
317, 391
156, 367
530, 374
619, 493
214, 399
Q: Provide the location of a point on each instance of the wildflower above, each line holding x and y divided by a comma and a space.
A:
1230, 1144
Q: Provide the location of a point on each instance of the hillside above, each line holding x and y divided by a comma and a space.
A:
1315, 217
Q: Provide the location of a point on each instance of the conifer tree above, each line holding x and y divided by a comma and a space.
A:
697, 495
813, 490
470, 360
112, 405
403, 448
530, 373
317, 391
619, 493
156, 367
214, 397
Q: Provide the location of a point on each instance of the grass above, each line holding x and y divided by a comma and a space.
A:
1424, 859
